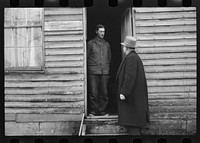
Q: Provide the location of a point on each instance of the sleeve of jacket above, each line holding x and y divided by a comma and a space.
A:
88, 48
130, 74
109, 53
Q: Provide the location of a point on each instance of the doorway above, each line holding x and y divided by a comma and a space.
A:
111, 19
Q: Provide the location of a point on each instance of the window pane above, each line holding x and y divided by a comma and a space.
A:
7, 17
35, 38
23, 17
8, 37
19, 16
20, 37
34, 17
23, 57
23, 45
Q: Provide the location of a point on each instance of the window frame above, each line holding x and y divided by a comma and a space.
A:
40, 68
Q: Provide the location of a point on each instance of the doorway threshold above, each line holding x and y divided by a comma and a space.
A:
103, 117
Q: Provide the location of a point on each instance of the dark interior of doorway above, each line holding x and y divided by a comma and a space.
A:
111, 19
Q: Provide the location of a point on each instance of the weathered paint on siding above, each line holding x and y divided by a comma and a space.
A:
51, 103
167, 47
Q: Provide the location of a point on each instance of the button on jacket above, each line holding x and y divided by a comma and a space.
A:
98, 56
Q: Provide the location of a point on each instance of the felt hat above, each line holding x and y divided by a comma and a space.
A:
129, 42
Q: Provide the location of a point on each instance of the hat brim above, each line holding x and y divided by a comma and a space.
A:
123, 44
127, 46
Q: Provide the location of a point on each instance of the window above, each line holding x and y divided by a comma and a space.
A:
23, 38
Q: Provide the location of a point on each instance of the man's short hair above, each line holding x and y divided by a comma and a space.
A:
99, 26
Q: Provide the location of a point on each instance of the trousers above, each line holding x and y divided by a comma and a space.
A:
97, 91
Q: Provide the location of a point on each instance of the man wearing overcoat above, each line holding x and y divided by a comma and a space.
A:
133, 110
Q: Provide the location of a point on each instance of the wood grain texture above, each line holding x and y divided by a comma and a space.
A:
41, 110
65, 70
42, 77
160, 43
59, 128
163, 9
156, 56
19, 129
44, 98
164, 49
47, 118
172, 89
79, 104
43, 84
43, 90
166, 127
171, 68
166, 15
168, 75
166, 36
10, 117
159, 22
75, 57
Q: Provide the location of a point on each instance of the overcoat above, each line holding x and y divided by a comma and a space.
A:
131, 82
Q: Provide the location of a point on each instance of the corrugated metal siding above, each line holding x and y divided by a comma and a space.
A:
167, 47
51, 103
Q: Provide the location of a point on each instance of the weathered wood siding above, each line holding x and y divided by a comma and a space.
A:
167, 47
51, 103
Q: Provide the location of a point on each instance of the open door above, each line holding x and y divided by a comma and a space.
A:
126, 26
111, 19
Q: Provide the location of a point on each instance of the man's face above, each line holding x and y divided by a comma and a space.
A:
124, 49
101, 32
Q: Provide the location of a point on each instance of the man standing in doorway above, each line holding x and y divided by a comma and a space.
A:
98, 63
133, 110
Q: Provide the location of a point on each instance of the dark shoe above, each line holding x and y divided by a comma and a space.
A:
103, 114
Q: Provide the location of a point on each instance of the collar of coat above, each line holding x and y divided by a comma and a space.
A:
124, 62
97, 39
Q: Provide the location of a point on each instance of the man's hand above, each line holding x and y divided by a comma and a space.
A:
122, 97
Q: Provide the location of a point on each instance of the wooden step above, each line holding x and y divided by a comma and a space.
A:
103, 126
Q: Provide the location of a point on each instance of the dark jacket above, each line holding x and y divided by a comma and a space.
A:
98, 56
131, 82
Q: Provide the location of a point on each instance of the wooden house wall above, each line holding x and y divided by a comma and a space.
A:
167, 47
51, 102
